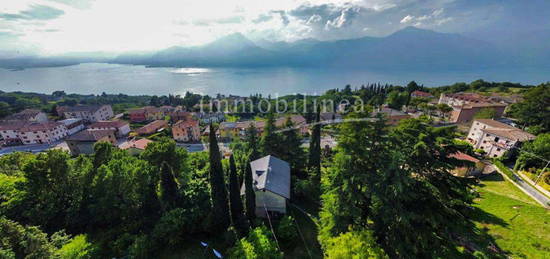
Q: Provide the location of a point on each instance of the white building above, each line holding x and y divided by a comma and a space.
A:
495, 138
271, 183
42, 133
9, 131
121, 128
73, 125
90, 113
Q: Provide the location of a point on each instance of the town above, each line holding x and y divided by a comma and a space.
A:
177, 157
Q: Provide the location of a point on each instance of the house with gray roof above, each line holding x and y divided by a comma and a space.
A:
271, 183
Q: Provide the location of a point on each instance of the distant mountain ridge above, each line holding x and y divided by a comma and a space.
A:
408, 49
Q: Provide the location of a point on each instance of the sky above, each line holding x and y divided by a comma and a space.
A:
53, 27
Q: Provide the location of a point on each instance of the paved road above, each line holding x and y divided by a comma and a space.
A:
541, 198
28, 148
531, 190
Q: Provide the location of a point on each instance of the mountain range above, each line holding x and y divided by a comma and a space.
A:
409, 49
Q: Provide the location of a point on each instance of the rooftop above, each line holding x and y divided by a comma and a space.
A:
505, 130
108, 124
36, 126
82, 108
139, 144
271, 174
90, 135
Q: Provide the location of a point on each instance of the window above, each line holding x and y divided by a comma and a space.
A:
486, 135
259, 172
497, 139
498, 149
495, 155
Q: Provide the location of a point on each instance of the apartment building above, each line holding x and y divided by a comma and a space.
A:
83, 142
152, 127
466, 105
42, 132
89, 113
495, 138
121, 128
73, 125
186, 130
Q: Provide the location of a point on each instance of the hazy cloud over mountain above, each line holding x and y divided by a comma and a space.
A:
59, 26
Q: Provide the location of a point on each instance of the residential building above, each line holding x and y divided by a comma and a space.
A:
28, 115
135, 147
89, 113
392, 116
495, 138
209, 117
421, 94
472, 167
152, 127
42, 132
330, 116
297, 120
186, 130
121, 128
271, 184
9, 131
73, 125
137, 115
180, 115
467, 112
466, 105
83, 142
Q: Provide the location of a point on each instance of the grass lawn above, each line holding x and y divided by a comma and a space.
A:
518, 224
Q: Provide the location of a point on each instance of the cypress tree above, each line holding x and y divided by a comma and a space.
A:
252, 141
291, 142
218, 191
250, 196
270, 139
235, 202
314, 161
168, 187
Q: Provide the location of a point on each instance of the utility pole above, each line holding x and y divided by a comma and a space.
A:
541, 173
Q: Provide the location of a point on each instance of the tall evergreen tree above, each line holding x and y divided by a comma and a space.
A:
314, 161
168, 187
270, 141
252, 142
220, 208
235, 201
250, 196
292, 152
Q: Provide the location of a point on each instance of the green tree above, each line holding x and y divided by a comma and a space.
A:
270, 141
235, 202
314, 161
252, 142
77, 248
532, 152
168, 187
220, 209
256, 245
249, 195
292, 152
354, 244
17, 241
166, 150
444, 109
533, 111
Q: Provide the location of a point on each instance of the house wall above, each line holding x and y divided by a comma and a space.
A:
40, 117
43, 136
104, 113
493, 145
273, 202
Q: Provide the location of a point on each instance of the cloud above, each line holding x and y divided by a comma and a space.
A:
35, 12
79, 4
345, 19
209, 22
435, 18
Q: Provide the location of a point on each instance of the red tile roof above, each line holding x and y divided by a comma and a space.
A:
108, 124
464, 157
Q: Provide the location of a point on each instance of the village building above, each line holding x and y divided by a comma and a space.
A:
89, 113
186, 130
421, 94
42, 132
32, 115
209, 117
83, 142
137, 115
152, 127
391, 115
467, 105
271, 184
495, 138
180, 115
135, 147
121, 128
73, 125
473, 167
9, 131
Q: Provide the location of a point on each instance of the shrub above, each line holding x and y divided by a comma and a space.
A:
258, 244
77, 248
286, 231
353, 244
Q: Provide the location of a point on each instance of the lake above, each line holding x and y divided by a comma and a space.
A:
95, 78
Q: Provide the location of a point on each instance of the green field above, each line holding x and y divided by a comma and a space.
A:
518, 225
